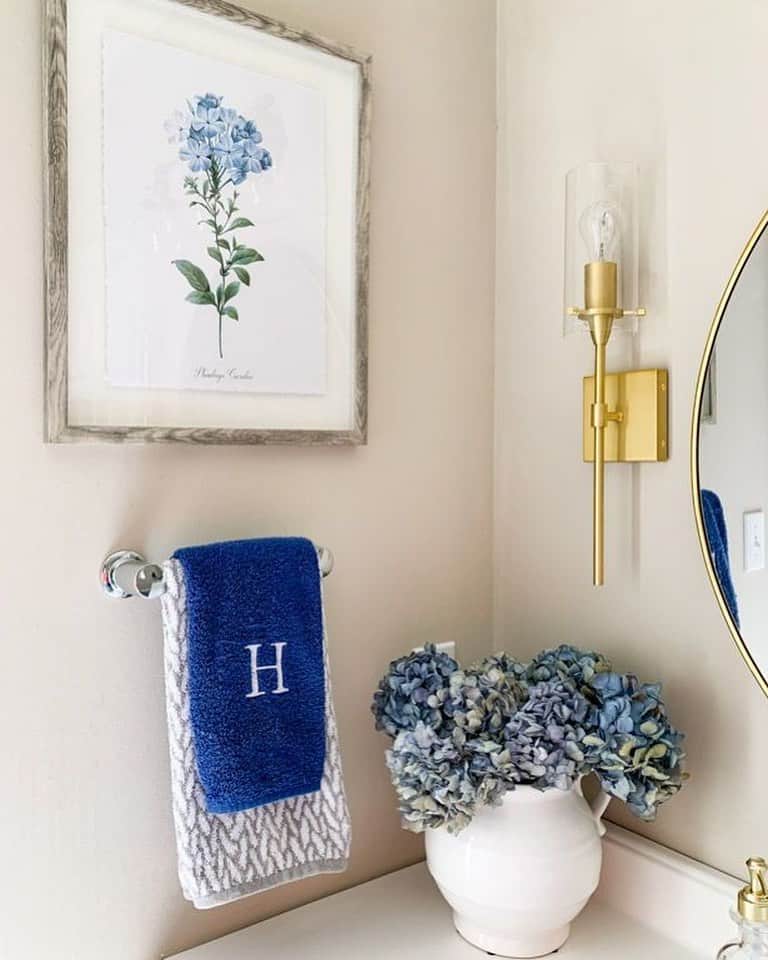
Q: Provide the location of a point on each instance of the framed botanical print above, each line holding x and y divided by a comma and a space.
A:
206, 226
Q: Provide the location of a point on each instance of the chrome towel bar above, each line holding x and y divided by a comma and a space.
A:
126, 573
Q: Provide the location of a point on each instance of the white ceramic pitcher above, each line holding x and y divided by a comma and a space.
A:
519, 873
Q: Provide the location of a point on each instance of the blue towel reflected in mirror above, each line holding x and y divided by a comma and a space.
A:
717, 539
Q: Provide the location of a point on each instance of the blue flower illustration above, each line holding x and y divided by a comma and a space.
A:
222, 145
197, 153
238, 170
207, 122
226, 151
255, 158
246, 130
229, 116
208, 100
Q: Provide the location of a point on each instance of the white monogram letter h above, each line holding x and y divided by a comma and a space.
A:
277, 666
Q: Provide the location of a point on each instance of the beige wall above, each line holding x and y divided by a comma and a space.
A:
680, 87
85, 826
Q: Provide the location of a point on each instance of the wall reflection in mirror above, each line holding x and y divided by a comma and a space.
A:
732, 411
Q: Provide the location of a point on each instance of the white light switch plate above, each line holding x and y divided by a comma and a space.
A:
754, 541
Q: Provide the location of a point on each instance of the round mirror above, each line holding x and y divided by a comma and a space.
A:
729, 453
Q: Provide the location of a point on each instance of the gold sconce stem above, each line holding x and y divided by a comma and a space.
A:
600, 328
600, 295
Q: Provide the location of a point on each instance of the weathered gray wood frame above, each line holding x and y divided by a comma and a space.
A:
57, 426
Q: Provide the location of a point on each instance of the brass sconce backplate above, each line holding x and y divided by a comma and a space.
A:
637, 426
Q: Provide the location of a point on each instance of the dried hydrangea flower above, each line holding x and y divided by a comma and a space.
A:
512, 669
435, 783
501, 678
631, 745
544, 737
568, 663
478, 702
487, 769
464, 737
407, 693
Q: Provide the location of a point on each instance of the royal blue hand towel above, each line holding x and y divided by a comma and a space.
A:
256, 670
717, 538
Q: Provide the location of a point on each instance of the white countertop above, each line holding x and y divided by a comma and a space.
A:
403, 917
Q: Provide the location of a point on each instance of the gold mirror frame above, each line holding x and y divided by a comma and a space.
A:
695, 430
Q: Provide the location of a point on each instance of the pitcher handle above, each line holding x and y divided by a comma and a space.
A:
598, 807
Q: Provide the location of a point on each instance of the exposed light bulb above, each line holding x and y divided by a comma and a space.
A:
600, 228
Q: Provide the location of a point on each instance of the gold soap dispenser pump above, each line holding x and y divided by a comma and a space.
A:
750, 916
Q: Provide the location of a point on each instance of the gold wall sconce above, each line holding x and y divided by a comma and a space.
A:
625, 414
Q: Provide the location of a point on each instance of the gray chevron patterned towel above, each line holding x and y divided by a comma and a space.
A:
223, 857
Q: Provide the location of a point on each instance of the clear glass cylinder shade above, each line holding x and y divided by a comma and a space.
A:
601, 223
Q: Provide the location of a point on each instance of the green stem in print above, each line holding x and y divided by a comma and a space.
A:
230, 255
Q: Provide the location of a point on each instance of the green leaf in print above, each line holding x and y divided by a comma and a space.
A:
239, 223
231, 312
230, 291
246, 255
194, 275
201, 298
243, 275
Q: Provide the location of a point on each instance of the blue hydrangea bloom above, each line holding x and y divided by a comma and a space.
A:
479, 701
464, 737
514, 671
544, 738
407, 693
631, 745
435, 783
569, 663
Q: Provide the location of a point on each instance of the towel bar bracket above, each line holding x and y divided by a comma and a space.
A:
125, 574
